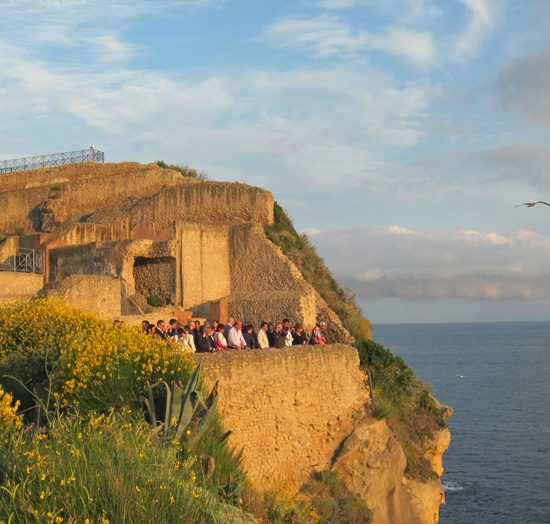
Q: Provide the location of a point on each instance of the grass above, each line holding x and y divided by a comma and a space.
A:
398, 394
103, 469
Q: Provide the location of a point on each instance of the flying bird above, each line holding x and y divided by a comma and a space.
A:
532, 204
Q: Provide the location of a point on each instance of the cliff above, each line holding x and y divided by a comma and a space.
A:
306, 409
110, 238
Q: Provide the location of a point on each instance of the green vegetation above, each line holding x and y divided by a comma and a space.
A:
398, 395
103, 469
333, 502
314, 270
184, 170
91, 454
154, 301
325, 498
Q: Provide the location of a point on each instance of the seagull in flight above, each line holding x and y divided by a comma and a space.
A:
532, 204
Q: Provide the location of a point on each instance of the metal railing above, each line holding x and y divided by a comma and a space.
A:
25, 261
56, 159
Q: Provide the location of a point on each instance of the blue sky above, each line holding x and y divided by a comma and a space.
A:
398, 133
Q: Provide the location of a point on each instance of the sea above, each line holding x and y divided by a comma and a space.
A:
496, 376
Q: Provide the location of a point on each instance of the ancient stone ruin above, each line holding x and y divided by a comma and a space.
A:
118, 237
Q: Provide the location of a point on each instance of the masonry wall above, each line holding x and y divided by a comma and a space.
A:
100, 294
288, 409
266, 285
8, 248
80, 189
13, 285
156, 276
88, 259
208, 203
205, 267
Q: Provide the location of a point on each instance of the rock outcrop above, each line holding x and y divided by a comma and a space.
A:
372, 464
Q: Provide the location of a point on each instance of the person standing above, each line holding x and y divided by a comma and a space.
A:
160, 330
299, 337
263, 341
235, 339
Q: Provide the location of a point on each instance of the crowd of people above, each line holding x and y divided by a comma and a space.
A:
216, 336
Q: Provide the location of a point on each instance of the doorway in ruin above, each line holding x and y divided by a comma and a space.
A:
155, 277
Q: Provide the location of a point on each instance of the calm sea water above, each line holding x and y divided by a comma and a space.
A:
497, 378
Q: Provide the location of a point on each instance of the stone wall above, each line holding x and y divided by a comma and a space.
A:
100, 294
76, 190
288, 409
87, 259
8, 248
263, 279
156, 276
14, 285
205, 267
274, 306
207, 203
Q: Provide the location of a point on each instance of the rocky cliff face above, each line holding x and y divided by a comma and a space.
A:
372, 464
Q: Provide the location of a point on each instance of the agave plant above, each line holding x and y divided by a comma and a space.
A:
187, 415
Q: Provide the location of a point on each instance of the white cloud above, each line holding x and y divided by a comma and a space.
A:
416, 46
480, 24
325, 35
311, 232
401, 231
469, 264
109, 48
307, 125
328, 35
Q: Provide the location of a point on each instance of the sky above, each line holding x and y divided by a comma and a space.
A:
399, 134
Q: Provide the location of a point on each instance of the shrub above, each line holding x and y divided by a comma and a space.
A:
91, 364
154, 301
333, 502
184, 170
284, 506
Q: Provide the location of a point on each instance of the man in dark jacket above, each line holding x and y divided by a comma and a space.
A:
279, 337
160, 330
205, 341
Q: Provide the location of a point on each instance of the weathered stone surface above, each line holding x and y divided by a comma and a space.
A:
14, 285
289, 408
372, 464
96, 293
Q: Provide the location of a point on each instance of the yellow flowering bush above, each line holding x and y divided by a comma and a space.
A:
91, 364
9, 419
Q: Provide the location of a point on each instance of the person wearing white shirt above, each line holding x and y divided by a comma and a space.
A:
235, 337
263, 341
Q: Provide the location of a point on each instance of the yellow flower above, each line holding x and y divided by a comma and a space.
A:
174, 421
138, 489
42, 495
188, 432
